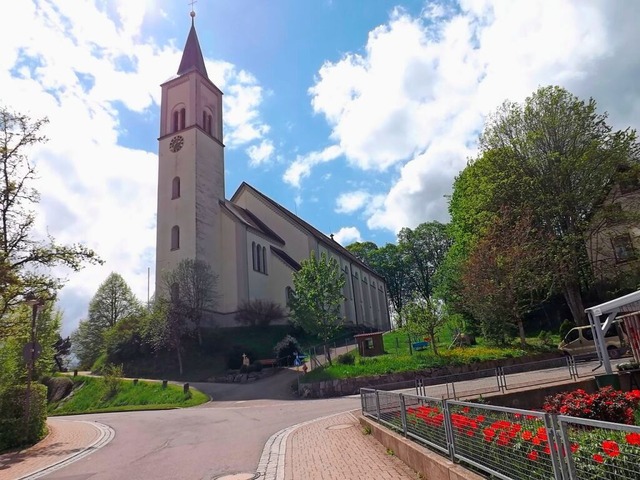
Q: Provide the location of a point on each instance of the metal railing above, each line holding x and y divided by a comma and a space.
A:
506, 378
510, 443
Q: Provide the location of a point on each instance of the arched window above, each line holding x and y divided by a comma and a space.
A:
204, 120
175, 237
183, 118
175, 121
258, 257
175, 188
264, 260
209, 123
253, 254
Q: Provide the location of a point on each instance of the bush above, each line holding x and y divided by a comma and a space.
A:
259, 313
545, 338
606, 404
99, 364
565, 326
348, 358
58, 388
12, 403
285, 349
111, 377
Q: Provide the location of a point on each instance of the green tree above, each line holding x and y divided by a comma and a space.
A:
425, 318
558, 157
317, 298
25, 260
364, 251
112, 302
390, 262
424, 248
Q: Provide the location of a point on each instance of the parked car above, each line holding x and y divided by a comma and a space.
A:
580, 341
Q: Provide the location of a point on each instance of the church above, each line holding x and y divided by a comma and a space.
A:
252, 243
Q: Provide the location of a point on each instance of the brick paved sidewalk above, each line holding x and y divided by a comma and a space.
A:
336, 448
66, 438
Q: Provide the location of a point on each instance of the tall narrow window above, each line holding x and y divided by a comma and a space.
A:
175, 188
253, 254
183, 118
175, 121
175, 237
209, 123
258, 257
204, 120
264, 260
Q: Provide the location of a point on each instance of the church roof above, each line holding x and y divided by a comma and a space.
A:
192, 58
250, 219
286, 258
321, 237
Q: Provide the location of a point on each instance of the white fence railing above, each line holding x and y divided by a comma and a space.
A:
510, 443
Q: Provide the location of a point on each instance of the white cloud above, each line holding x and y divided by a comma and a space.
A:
78, 63
347, 235
302, 165
260, 154
415, 99
351, 202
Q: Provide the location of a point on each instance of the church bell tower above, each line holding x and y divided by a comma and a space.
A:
190, 167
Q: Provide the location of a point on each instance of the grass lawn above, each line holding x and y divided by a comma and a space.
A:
90, 396
397, 359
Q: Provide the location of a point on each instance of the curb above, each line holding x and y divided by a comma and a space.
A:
106, 435
271, 464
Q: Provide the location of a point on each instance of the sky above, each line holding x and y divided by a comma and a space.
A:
356, 114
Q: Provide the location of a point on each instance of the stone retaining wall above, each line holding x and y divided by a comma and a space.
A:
352, 386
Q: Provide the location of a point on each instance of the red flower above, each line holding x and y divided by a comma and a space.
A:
547, 450
611, 448
633, 438
533, 455
527, 435
480, 418
598, 458
574, 447
465, 409
542, 433
536, 440
503, 439
489, 433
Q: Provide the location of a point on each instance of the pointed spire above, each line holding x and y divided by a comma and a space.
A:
192, 55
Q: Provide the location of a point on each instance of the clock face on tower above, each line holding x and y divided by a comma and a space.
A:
176, 143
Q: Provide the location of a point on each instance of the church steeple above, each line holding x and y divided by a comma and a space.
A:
192, 55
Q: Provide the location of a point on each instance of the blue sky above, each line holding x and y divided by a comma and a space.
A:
356, 114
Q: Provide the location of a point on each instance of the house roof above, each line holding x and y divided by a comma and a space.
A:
317, 234
192, 58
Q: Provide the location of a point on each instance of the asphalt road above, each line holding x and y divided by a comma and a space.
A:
222, 437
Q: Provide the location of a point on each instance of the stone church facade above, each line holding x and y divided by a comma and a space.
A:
252, 243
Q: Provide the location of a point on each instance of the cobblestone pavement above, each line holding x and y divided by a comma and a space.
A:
335, 448
66, 439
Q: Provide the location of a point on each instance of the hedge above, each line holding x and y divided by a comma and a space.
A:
12, 412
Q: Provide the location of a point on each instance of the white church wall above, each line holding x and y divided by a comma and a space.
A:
226, 268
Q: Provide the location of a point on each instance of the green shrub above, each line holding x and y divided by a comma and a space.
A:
12, 403
565, 326
348, 358
111, 376
545, 338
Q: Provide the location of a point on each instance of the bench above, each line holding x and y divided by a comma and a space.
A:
268, 362
420, 345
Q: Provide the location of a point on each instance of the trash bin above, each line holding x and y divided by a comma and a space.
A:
608, 379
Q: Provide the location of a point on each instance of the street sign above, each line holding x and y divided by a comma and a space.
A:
26, 351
